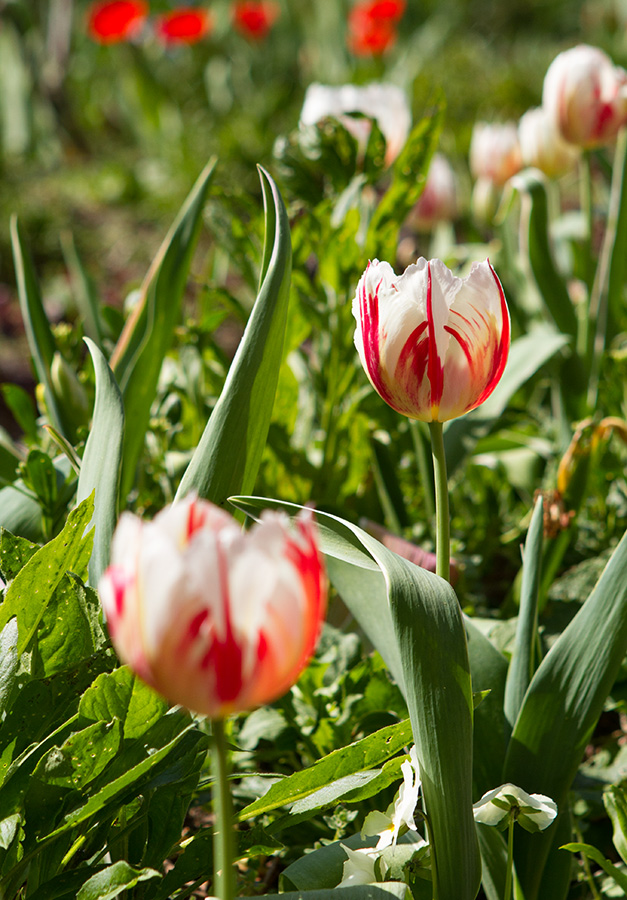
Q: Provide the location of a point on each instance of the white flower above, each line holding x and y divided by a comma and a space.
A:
359, 867
543, 146
534, 812
385, 103
401, 812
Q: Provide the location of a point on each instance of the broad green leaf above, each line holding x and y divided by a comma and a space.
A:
615, 801
102, 462
147, 335
526, 356
68, 631
355, 892
431, 645
82, 757
617, 220
493, 861
359, 757
122, 695
227, 458
409, 175
522, 666
113, 880
562, 706
535, 221
9, 661
488, 670
40, 338
20, 512
21, 405
609, 868
15, 552
34, 586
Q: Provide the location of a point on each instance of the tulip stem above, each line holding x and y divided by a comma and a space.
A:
223, 877
442, 520
510, 858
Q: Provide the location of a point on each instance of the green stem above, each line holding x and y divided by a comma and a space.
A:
223, 876
442, 520
510, 859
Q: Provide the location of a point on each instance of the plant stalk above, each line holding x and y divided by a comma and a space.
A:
507, 895
442, 517
223, 876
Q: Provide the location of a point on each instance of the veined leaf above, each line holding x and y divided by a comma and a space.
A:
33, 587
562, 705
147, 335
110, 882
102, 461
431, 644
363, 755
229, 453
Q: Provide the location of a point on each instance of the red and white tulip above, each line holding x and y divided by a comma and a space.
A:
495, 151
434, 346
216, 619
543, 146
586, 95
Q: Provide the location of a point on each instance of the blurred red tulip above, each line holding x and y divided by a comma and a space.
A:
387, 9
255, 18
214, 618
185, 25
368, 34
116, 20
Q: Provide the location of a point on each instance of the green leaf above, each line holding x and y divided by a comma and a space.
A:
562, 706
535, 221
34, 586
526, 356
229, 453
84, 292
613, 871
15, 552
102, 462
122, 695
68, 631
615, 802
147, 335
9, 661
522, 667
113, 880
82, 757
409, 175
431, 645
40, 338
359, 757
20, 404
616, 275
493, 861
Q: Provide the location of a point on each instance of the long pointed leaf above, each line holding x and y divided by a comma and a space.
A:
563, 703
227, 458
102, 461
147, 335
40, 338
432, 647
521, 666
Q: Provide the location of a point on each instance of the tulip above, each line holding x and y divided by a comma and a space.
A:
586, 96
438, 201
213, 618
434, 346
254, 18
495, 152
371, 27
185, 25
385, 103
116, 20
543, 146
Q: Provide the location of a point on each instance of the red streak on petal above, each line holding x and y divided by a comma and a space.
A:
224, 656
499, 357
435, 371
195, 518
412, 365
369, 308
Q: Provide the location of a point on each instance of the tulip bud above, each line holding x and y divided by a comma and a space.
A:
213, 618
438, 201
495, 152
586, 96
543, 146
434, 346
385, 103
